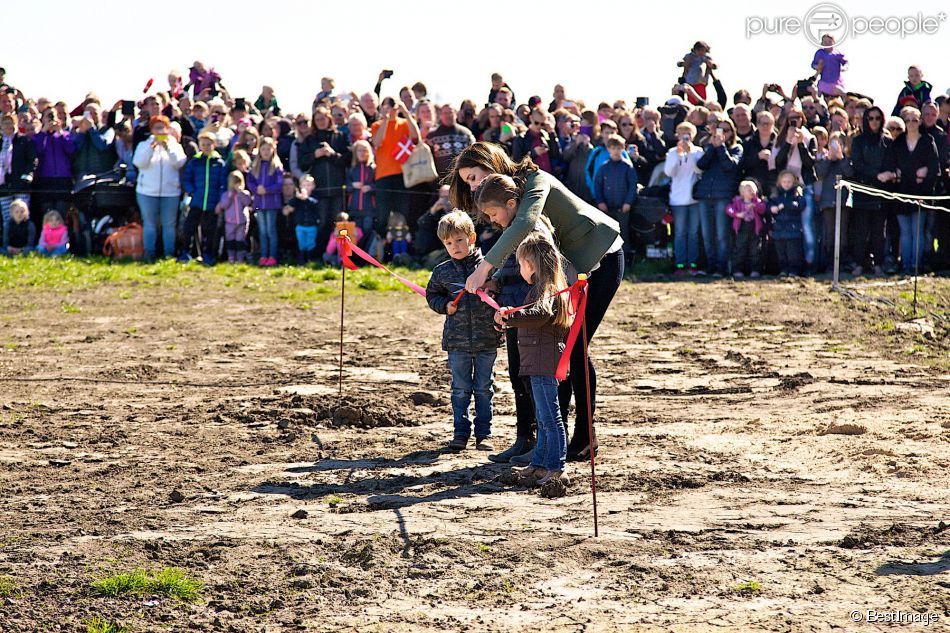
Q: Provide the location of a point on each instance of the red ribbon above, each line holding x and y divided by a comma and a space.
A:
347, 248
147, 86
578, 306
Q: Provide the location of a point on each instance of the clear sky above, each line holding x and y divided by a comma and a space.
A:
599, 49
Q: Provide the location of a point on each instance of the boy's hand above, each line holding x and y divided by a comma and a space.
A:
602, 206
625, 208
451, 309
288, 209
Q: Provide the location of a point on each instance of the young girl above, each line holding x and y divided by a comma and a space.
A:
361, 179
786, 205
306, 216
236, 206
398, 236
19, 233
265, 180
331, 256
829, 63
747, 211
543, 327
54, 237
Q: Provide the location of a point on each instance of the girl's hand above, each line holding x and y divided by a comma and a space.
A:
261, 190
288, 209
366, 188
775, 208
356, 185
451, 309
500, 316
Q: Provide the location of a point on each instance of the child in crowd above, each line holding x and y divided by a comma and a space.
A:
548, 321
19, 234
747, 211
786, 205
398, 236
916, 91
203, 182
54, 238
199, 116
361, 180
235, 203
469, 335
306, 215
615, 187
829, 63
697, 66
331, 256
267, 101
265, 181
829, 165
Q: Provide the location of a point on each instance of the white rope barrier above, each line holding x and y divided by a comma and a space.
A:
890, 195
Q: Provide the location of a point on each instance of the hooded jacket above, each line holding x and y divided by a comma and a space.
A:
205, 180
720, 166
328, 171
911, 95
472, 328
868, 151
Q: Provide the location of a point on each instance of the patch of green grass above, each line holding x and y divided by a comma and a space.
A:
748, 588
171, 581
301, 286
836, 348
7, 586
100, 625
650, 268
884, 326
483, 548
333, 501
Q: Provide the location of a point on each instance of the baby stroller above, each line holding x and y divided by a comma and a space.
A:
102, 202
649, 228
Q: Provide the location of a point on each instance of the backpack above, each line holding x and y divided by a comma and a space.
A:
125, 242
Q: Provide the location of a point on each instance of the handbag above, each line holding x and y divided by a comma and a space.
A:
125, 242
419, 168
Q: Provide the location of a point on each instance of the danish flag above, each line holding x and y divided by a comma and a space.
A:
403, 150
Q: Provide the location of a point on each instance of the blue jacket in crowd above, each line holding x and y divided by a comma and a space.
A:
720, 179
787, 223
205, 180
615, 184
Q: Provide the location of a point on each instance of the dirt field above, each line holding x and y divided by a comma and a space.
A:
772, 458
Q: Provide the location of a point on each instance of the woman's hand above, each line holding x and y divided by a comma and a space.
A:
921, 174
765, 154
261, 190
477, 279
491, 286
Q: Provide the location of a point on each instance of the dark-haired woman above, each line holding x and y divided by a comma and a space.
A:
588, 238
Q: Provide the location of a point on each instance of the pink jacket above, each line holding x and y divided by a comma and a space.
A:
236, 206
740, 210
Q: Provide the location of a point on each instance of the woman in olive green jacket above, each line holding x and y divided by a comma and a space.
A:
588, 238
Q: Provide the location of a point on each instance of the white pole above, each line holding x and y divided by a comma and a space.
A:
834, 279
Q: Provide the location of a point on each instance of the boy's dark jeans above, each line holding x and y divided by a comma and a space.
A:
747, 253
209, 229
789, 251
472, 374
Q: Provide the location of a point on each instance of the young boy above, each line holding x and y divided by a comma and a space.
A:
203, 181
306, 218
469, 334
615, 187
697, 65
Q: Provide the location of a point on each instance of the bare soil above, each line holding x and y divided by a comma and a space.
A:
771, 459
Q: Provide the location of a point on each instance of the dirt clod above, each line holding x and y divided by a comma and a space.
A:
553, 489
844, 429
300, 514
176, 496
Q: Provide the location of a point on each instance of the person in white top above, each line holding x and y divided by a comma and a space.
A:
681, 167
159, 160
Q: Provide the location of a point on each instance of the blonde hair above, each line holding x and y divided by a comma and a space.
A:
453, 223
366, 144
236, 176
549, 278
686, 128
240, 154
275, 163
749, 184
22, 206
52, 215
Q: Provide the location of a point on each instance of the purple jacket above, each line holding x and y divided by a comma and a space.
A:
273, 184
737, 208
53, 152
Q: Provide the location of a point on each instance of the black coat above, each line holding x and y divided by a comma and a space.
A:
540, 342
22, 166
806, 151
868, 153
756, 168
328, 172
472, 328
900, 158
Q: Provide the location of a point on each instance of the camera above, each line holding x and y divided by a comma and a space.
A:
387, 74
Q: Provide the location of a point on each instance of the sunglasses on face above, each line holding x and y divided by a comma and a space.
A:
626, 125
874, 118
301, 123
537, 123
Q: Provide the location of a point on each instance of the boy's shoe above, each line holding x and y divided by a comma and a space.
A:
555, 474
524, 459
484, 444
184, 258
738, 275
522, 445
755, 274
699, 272
458, 443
